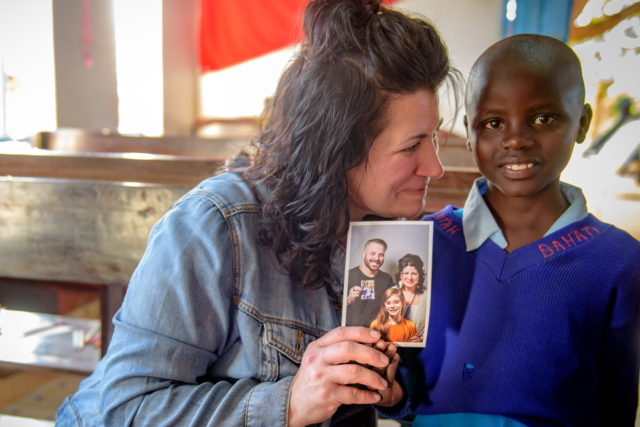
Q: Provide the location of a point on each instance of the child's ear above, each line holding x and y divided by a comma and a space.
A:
466, 130
585, 121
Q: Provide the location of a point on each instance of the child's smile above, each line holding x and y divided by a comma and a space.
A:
393, 305
519, 170
519, 167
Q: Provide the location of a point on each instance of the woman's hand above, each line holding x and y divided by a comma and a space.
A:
394, 393
323, 380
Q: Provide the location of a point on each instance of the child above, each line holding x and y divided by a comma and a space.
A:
390, 323
534, 314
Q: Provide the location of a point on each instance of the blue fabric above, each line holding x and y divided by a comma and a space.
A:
211, 331
477, 220
548, 17
545, 335
464, 420
479, 225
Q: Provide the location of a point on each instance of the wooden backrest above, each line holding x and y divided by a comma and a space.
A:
77, 230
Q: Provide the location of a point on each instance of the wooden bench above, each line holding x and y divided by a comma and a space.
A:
80, 219
78, 234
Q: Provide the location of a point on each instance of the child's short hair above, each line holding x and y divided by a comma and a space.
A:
534, 51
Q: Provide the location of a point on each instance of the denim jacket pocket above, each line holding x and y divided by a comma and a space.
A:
285, 345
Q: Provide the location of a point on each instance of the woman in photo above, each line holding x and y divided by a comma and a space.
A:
390, 322
410, 279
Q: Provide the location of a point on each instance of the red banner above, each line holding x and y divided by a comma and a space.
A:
234, 31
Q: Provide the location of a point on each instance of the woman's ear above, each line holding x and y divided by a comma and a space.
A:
585, 121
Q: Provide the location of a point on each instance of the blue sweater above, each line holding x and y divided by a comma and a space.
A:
546, 334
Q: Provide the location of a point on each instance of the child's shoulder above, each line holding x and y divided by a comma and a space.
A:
618, 234
449, 218
592, 237
447, 224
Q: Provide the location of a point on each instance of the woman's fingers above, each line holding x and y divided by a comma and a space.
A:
390, 372
348, 333
349, 351
350, 395
352, 373
392, 394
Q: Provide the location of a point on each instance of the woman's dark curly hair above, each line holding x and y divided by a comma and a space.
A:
328, 108
411, 260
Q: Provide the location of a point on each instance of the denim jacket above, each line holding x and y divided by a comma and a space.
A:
211, 330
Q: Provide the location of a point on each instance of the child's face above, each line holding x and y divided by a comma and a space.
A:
393, 305
522, 126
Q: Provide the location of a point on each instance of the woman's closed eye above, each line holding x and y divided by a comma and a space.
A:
411, 148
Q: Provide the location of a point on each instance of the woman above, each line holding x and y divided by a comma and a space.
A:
410, 278
231, 317
390, 322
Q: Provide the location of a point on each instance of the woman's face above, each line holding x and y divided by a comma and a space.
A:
393, 305
409, 276
392, 183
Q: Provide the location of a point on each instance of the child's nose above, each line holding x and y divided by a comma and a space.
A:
517, 139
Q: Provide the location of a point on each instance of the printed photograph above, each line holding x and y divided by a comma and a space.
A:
387, 285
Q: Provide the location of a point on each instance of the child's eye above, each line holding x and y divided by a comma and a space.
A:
543, 119
492, 124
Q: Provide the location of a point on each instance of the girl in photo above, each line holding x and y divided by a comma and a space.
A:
390, 321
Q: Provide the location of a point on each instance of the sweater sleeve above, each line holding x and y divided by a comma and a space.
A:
621, 355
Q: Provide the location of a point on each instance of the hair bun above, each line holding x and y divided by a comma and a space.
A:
333, 27
374, 6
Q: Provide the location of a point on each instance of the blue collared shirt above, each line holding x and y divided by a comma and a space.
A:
479, 224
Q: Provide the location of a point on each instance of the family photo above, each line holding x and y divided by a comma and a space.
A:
387, 279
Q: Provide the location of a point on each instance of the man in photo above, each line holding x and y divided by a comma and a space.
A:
367, 284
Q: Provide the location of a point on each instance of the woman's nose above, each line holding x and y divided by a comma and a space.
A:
429, 164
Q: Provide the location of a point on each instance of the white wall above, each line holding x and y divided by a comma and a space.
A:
467, 27
26, 53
